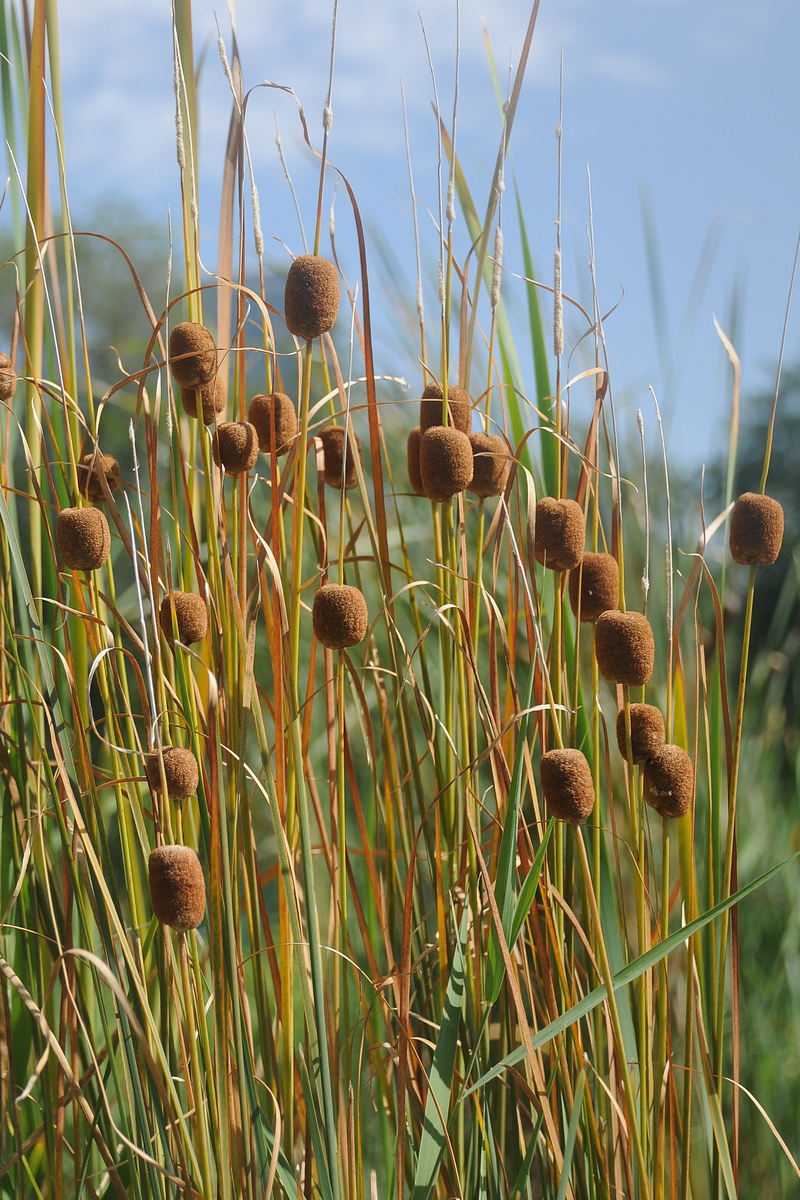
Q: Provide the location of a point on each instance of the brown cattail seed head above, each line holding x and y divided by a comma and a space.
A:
445, 462
90, 470
212, 400
647, 732
756, 530
311, 299
235, 446
339, 616
197, 344
260, 414
669, 782
490, 465
83, 538
177, 887
333, 447
567, 785
8, 380
624, 647
412, 453
560, 533
180, 769
594, 586
191, 617
459, 407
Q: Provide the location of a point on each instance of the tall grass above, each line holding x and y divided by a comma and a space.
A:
411, 980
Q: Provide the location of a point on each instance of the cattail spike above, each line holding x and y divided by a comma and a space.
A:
567, 785
177, 887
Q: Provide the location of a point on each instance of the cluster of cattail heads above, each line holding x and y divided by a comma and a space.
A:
8, 380
83, 538
756, 530
559, 534
491, 465
594, 586
235, 446
92, 469
181, 772
567, 785
340, 616
191, 617
339, 467
624, 647
177, 887
274, 412
311, 298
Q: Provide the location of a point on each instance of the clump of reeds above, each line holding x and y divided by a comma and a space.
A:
567, 785
278, 408
459, 407
669, 782
211, 396
235, 446
192, 354
92, 468
756, 532
491, 465
181, 772
191, 616
336, 469
311, 297
624, 647
177, 887
412, 460
445, 462
340, 616
647, 731
8, 380
594, 586
559, 533
83, 538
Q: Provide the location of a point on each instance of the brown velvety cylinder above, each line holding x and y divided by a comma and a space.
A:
491, 465
445, 462
647, 732
191, 616
340, 616
560, 533
311, 298
333, 447
83, 538
459, 407
192, 354
756, 530
567, 785
177, 887
624, 647
90, 470
669, 782
235, 446
260, 414
594, 586
412, 458
8, 380
212, 400
180, 769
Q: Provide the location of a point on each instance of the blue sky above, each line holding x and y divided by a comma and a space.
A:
689, 110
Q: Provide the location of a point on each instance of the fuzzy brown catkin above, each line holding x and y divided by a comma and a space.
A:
340, 616
181, 772
311, 296
412, 460
567, 785
91, 469
624, 647
177, 887
8, 380
669, 782
83, 538
756, 532
275, 408
445, 462
336, 467
192, 354
459, 407
212, 400
235, 446
647, 731
560, 533
594, 586
191, 617
491, 465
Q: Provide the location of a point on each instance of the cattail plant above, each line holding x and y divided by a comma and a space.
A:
336, 468
559, 534
756, 531
192, 354
624, 647
278, 408
340, 616
431, 407
311, 297
594, 586
206, 401
92, 468
567, 785
412, 460
445, 462
669, 782
83, 538
191, 616
235, 446
8, 380
181, 772
491, 465
177, 887
647, 731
